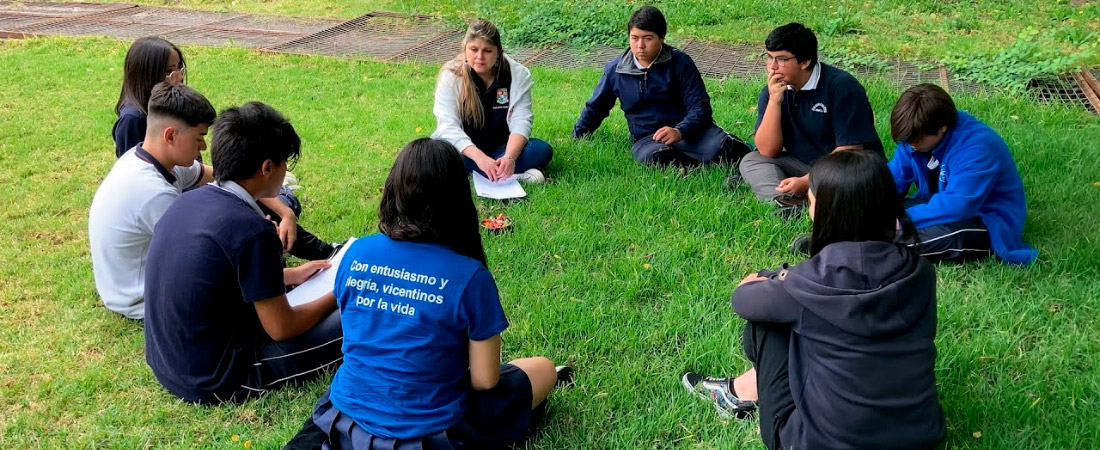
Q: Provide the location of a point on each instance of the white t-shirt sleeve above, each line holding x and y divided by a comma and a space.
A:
153, 209
187, 177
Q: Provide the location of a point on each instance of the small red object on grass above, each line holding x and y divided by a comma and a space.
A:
498, 224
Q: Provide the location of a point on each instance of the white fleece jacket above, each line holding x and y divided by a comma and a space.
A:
449, 126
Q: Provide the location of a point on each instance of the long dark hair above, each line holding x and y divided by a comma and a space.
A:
427, 199
143, 69
856, 200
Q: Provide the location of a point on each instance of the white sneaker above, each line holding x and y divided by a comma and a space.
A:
291, 182
533, 176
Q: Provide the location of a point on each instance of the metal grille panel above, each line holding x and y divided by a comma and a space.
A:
716, 60
163, 16
438, 50
571, 58
12, 23
57, 9
85, 27
378, 36
294, 25
226, 38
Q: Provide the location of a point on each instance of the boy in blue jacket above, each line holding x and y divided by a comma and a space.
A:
970, 199
663, 97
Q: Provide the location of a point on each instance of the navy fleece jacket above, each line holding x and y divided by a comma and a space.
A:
670, 93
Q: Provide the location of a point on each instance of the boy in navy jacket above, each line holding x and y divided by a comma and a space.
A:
969, 199
663, 97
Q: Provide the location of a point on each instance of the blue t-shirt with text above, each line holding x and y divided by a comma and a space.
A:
409, 310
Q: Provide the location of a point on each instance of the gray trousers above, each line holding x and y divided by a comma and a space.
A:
711, 146
763, 174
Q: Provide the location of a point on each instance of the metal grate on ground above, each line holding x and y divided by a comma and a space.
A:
716, 60
215, 37
162, 16
47, 9
438, 50
15, 22
373, 35
292, 25
86, 27
571, 58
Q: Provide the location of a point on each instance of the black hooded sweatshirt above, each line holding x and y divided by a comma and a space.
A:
863, 316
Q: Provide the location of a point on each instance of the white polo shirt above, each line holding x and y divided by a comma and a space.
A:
124, 212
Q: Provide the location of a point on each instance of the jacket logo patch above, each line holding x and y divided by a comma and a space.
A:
820, 107
502, 96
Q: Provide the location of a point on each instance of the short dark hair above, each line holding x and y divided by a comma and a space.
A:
921, 111
427, 199
648, 18
855, 200
248, 135
144, 67
795, 38
181, 103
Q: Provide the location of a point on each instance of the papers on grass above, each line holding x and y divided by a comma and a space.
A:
500, 190
321, 282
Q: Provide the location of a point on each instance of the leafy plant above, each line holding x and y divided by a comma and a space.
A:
1028, 58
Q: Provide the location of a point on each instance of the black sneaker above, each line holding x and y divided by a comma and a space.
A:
801, 245
788, 212
565, 376
734, 179
720, 392
785, 200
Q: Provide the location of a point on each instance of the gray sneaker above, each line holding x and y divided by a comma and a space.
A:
720, 392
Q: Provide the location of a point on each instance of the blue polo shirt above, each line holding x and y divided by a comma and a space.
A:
409, 311
495, 100
212, 256
830, 111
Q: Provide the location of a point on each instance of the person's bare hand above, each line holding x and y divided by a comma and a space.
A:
777, 86
299, 275
505, 167
794, 185
751, 278
667, 136
288, 232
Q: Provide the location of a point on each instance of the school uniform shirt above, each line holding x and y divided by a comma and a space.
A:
669, 93
514, 96
830, 111
211, 257
126, 207
977, 177
129, 129
862, 351
409, 310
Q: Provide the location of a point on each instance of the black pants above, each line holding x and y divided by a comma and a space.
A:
957, 241
768, 347
306, 246
298, 360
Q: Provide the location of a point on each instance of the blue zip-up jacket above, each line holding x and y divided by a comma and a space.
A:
669, 93
978, 178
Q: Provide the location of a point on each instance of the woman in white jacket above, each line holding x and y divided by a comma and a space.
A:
483, 108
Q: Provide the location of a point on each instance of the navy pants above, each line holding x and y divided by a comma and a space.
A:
956, 241
768, 347
535, 155
298, 360
713, 145
307, 246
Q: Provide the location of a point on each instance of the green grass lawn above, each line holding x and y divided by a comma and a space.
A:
910, 29
620, 270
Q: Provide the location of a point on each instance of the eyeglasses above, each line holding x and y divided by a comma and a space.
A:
781, 60
176, 76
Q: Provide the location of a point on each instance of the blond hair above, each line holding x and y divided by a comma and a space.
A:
469, 103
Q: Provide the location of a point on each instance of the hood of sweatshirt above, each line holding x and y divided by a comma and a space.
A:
864, 288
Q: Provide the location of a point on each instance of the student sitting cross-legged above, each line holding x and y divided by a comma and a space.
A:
218, 326
664, 99
483, 108
422, 323
970, 198
141, 186
842, 344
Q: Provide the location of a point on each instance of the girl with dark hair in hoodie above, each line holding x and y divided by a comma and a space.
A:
842, 344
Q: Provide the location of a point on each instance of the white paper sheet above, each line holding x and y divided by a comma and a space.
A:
321, 282
500, 190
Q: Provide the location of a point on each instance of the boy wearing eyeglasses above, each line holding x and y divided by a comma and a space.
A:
807, 110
